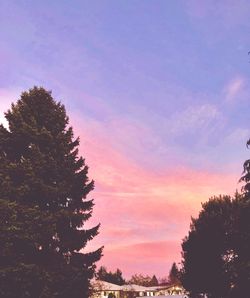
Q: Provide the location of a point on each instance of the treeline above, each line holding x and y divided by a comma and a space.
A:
116, 277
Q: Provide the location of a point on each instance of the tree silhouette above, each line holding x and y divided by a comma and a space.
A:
108, 276
213, 248
174, 275
42, 174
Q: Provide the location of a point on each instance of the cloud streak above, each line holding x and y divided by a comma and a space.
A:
234, 89
136, 205
161, 104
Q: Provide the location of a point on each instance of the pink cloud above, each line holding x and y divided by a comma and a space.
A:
195, 117
146, 257
144, 214
234, 89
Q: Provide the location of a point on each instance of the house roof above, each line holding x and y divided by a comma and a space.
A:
105, 286
100, 285
133, 287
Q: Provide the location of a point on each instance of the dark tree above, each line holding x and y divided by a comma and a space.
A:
22, 230
118, 278
216, 258
243, 236
44, 182
211, 250
240, 247
246, 177
141, 280
174, 275
102, 273
154, 281
109, 276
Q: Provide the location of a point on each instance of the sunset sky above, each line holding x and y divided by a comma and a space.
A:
159, 93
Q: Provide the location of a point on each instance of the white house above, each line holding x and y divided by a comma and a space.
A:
102, 289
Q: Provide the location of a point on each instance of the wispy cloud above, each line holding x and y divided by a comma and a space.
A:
136, 205
239, 135
233, 91
159, 126
147, 256
194, 118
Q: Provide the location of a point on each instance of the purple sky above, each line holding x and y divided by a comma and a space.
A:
158, 92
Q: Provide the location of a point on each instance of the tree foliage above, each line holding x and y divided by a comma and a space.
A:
109, 276
43, 190
143, 280
216, 259
22, 230
216, 250
246, 176
154, 281
174, 275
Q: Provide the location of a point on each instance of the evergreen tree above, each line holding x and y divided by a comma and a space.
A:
174, 275
109, 276
41, 173
118, 278
102, 273
154, 281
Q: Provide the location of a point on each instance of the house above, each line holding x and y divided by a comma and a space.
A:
170, 290
133, 290
102, 289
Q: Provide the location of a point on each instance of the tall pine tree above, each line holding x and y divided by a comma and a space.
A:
174, 275
42, 176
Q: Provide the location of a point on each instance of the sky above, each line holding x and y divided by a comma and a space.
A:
158, 92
